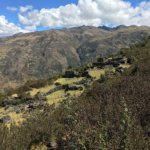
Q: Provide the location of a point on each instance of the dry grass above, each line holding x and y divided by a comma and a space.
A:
45, 89
2, 111
56, 97
17, 119
39, 147
68, 80
125, 65
14, 95
96, 73
75, 93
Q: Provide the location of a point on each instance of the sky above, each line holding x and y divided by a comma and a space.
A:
36, 15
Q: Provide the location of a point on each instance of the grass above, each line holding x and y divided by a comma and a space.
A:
45, 89
56, 97
39, 147
14, 95
96, 73
17, 119
68, 80
2, 110
74, 93
62, 81
125, 65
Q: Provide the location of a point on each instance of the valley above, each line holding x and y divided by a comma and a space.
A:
45, 54
99, 100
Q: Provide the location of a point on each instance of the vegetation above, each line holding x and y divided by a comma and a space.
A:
113, 114
96, 73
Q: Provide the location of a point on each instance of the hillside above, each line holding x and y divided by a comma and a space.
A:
103, 105
37, 95
39, 55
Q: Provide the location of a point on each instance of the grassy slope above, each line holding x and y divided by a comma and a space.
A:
112, 115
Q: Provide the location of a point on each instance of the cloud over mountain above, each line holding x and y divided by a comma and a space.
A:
8, 28
89, 12
85, 12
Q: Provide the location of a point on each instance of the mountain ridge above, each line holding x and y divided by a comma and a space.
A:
43, 54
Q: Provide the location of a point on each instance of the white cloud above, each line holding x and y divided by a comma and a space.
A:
89, 12
24, 9
8, 28
12, 9
85, 12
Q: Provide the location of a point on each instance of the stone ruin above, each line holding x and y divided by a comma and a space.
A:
70, 74
115, 62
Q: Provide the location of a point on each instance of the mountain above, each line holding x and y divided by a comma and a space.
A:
99, 106
43, 54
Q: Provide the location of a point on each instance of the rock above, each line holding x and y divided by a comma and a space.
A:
72, 87
54, 90
70, 74
130, 60
81, 82
57, 83
101, 59
98, 64
119, 69
5, 119
40, 97
32, 106
18, 110
85, 74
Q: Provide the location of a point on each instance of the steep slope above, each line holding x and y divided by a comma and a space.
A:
42, 54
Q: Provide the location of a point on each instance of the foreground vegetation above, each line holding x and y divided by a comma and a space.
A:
112, 114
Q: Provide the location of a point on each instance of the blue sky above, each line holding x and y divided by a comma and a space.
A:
47, 14
37, 4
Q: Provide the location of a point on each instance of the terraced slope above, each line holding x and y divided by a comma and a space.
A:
17, 108
43, 54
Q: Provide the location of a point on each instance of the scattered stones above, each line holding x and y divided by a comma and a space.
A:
18, 110
115, 62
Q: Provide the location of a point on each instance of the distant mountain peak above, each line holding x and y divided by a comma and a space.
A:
112, 28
